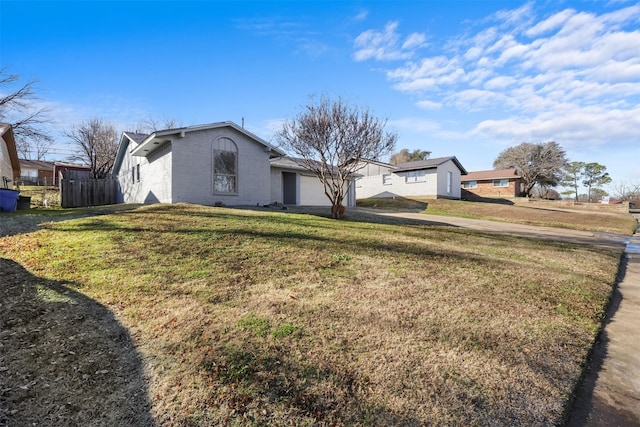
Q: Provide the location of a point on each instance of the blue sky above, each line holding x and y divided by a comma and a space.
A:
463, 78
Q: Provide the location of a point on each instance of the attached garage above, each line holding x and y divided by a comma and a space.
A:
291, 184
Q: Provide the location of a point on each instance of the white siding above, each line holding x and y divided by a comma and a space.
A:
434, 184
5, 162
456, 192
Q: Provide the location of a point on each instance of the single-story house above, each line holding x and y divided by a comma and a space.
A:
60, 167
492, 183
40, 172
36, 172
210, 164
439, 177
9, 163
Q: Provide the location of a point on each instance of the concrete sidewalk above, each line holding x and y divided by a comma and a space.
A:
610, 392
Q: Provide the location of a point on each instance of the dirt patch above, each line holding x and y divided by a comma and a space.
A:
54, 345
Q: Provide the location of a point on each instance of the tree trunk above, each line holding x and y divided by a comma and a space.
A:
337, 211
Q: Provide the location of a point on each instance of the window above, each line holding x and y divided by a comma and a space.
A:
470, 184
225, 166
416, 176
449, 181
500, 182
138, 172
386, 179
133, 174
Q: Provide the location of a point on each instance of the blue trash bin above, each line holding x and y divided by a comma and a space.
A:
8, 200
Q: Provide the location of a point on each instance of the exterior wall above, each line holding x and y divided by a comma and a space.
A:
154, 183
373, 186
5, 163
485, 188
276, 186
444, 190
192, 177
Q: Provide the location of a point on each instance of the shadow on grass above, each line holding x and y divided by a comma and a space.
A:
64, 358
31, 220
470, 197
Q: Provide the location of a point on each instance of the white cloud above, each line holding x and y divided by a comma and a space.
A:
589, 126
550, 23
386, 45
429, 105
361, 15
570, 76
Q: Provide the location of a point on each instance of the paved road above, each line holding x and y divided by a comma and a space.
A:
610, 393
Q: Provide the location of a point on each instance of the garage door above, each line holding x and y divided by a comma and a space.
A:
312, 192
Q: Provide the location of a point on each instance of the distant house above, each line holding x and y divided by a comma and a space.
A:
210, 164
36, 172
60, 167
492, 183
40, 172
9, 163
439, 177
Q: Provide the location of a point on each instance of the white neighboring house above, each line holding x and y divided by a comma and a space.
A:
439, 178
207, 164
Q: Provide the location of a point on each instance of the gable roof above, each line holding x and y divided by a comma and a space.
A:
6, 132
428, 164
491, 174
156, 139
296, 164
36, 164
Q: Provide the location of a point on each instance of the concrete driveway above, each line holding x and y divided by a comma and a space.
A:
609, 394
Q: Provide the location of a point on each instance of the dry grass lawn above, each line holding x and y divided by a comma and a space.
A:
234, 317
574, 219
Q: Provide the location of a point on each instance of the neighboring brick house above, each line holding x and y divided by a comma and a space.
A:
492, 183
60, 167
40, 172
36, 172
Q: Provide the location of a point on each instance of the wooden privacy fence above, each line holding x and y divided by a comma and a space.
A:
78, 190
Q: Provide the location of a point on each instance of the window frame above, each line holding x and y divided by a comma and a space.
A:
470, 184
386, 179
416, 176
221, 145
502, 183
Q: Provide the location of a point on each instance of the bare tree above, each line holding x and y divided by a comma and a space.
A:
331, 137
151, 125
626, 190
535, 163
404, 156
96, 144
18, 107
